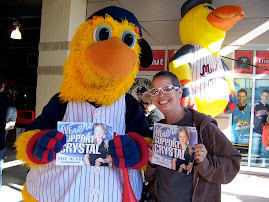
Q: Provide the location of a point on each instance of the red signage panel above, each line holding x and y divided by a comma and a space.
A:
244, 60
262, 61
158, 62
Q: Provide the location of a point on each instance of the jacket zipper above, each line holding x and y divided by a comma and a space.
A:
197, 181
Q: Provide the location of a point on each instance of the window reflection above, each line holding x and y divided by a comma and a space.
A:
260, 149
241, 118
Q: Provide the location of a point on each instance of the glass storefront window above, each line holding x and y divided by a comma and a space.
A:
241, 118
260, 147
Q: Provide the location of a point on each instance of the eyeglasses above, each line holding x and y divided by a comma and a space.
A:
165, 89
146, 103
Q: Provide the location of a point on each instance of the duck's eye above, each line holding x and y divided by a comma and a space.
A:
102, 33
129, 38
210, 7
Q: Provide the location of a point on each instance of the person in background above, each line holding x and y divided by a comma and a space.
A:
152, 113
139, 92
265, 143
11, 118
216, 160
261, 110
241, 119
7, 121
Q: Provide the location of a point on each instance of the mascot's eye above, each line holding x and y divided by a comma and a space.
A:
102, 33
210, 7
129, 38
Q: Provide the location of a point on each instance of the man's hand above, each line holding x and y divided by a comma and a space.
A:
10, 125
151, 153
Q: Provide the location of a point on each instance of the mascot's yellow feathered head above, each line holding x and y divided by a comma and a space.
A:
205, 25
105, 55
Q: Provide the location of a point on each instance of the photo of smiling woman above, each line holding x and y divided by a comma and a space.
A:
184, 165
100, 157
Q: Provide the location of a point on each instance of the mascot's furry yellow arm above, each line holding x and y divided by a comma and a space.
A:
197, 64
105, 55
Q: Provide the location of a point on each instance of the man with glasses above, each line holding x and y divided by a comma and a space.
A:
216, 160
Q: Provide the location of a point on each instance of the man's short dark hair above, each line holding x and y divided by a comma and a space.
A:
265, 91
2, 80
242, 91
173, 77
141, 89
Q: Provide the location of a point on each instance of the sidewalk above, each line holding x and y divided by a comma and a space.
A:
246, 188
13, 178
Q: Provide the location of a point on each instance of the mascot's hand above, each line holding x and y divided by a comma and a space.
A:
232, 96
129, 151
45, 144
124, 151
231, 105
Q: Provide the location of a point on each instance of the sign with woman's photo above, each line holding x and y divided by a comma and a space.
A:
174, 147
86, 144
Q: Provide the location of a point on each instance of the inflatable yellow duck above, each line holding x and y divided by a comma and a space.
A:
197, 64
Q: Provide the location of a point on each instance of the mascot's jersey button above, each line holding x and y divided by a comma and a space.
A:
97, 113
95, 191
97, 169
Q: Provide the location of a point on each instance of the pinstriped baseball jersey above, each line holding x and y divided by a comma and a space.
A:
85, 183
208, 75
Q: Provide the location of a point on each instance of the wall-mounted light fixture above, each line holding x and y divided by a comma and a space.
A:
16, 34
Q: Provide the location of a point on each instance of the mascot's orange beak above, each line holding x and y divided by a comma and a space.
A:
111, 58
225, 17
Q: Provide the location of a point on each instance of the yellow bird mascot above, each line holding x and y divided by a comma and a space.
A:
197, 64
105, 54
